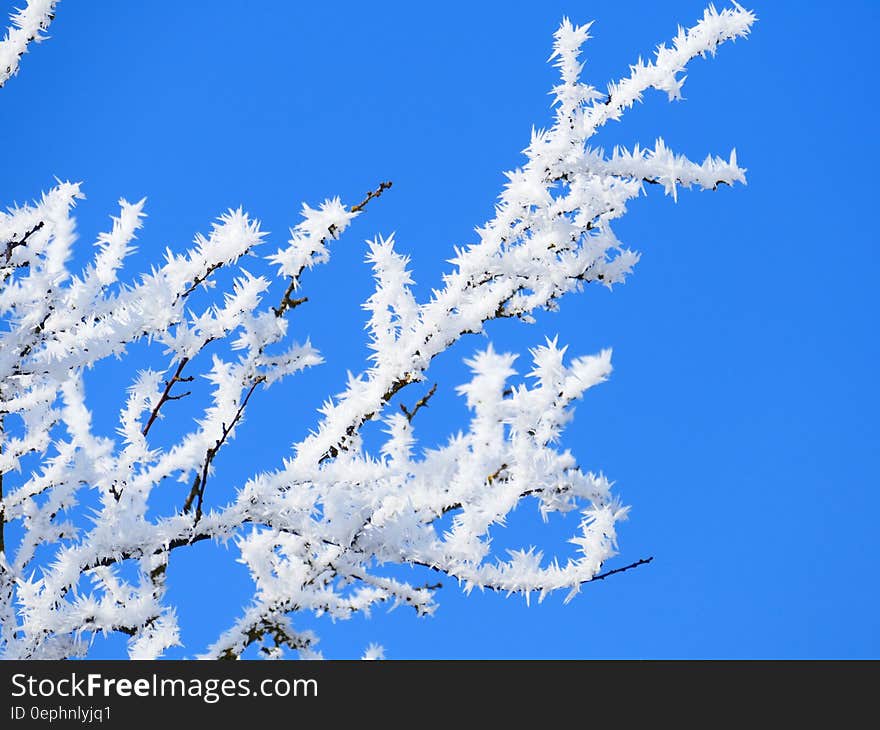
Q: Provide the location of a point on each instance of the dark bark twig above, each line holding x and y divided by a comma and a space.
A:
166, 394
420, 403
13, 244
287, 300
197, 491
603, 576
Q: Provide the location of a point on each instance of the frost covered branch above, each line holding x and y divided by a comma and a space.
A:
27, 27
322, 531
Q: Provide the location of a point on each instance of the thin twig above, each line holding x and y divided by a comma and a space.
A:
603, 576
166, 394
197, 491
497, 473
202, 278
420, 403
383, 186
287, 300
13, 244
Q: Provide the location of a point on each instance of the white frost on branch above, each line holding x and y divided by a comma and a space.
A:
319, 531
27, 26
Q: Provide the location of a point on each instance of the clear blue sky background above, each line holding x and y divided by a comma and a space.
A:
741, 419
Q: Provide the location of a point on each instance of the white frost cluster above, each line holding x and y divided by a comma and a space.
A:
28, 24
84, 539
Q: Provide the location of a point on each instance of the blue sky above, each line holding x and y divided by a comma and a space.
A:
741, 419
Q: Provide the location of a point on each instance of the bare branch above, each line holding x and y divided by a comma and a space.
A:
372, 194
608, 574
166, 394
420, 403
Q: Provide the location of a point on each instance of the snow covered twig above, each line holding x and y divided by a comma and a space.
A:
28, 26
317, 531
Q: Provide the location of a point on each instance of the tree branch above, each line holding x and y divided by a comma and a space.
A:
287, 300
202, 278
166, 394
603, 576
13, 244
420, 403
276, 631
383, 186
197, 491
